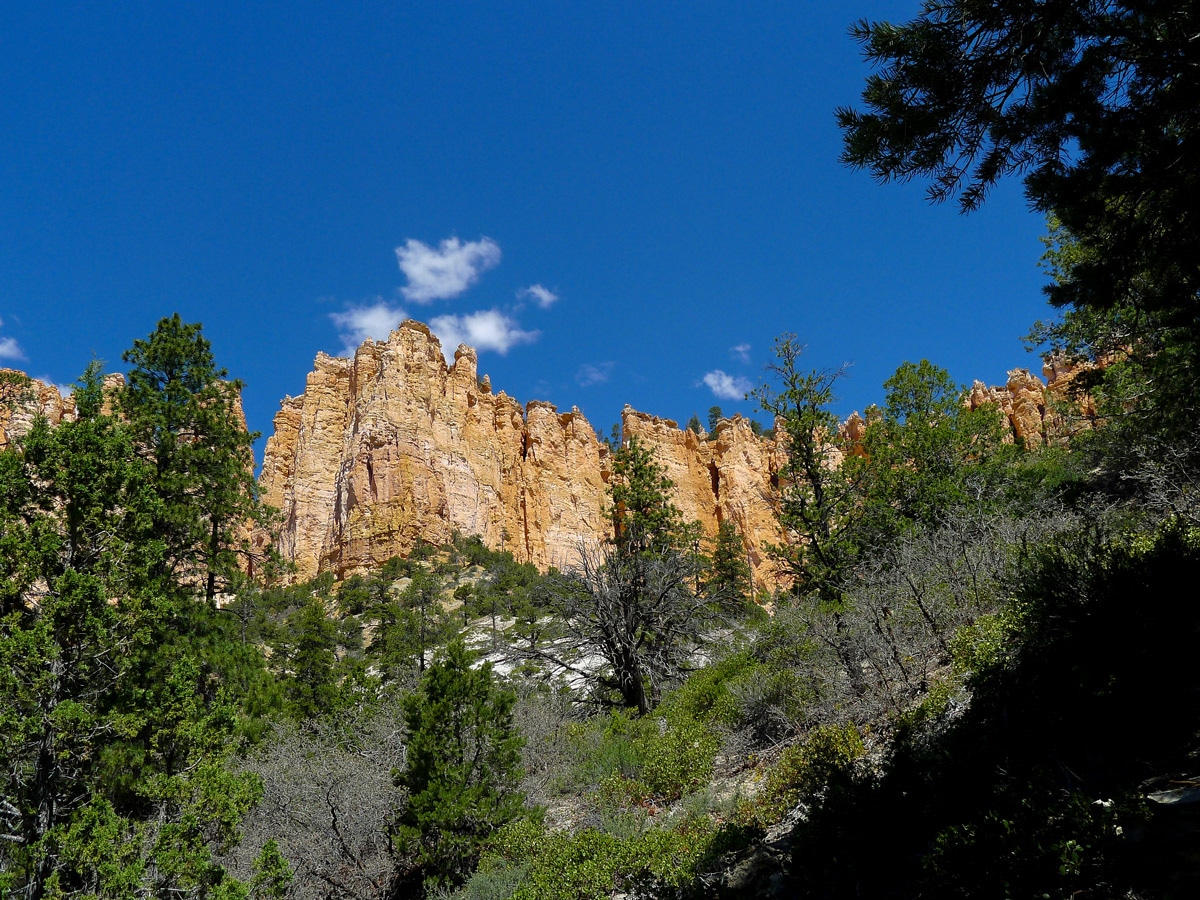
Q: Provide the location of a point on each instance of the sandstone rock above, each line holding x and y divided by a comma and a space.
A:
725, 478
1039, 412
393, 447
23, 399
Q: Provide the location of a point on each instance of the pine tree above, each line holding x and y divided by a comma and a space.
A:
816, 499
312, 682
714, 416
107, 788
643, 516
186, 418
728, 572
463, 766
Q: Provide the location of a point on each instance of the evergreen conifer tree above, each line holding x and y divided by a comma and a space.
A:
463, 766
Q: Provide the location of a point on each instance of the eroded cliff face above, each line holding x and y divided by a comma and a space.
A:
1035, 408
393, 446
23, 399
727, 477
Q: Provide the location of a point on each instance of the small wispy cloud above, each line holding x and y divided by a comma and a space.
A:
488, 329
589, 374
727, 387
361, 323
10, 349
542, 296
741, 352
445, 271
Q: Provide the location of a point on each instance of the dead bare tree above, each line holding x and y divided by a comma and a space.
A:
639, 611
329, 802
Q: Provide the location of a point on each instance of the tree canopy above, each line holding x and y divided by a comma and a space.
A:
1092, 103
116, 709
186, 419
463, 765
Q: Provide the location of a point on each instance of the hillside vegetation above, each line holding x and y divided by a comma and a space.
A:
977, 681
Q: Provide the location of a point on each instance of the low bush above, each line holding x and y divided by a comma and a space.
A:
805, 772
591, 865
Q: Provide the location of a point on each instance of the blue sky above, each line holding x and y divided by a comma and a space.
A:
619, 200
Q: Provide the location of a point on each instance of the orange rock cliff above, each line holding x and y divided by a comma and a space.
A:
23, 399
393, 446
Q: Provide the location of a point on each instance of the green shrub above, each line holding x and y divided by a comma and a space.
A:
983, 644
591, 865
705, 696
607, 745
656, 761
679, 760
930, 708
805, 771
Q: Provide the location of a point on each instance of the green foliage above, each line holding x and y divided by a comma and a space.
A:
187, 422
642, 514
1042, 843
925, 453
806, 772
463, 766
116, 721
633, 759
984, 644
311, 683
680, 761
412, 625
1136, 378
714, 417
634, 599
272, 874
591, 865
474, 553
14, 386
815, 497
1085, 101
705, 696
1076, 696
728, 572
694, 425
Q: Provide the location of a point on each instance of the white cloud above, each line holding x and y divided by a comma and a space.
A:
589, 374
727, 387
741, 351
10, 349
445, 272
543, 296
488, 329
360, 323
